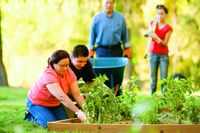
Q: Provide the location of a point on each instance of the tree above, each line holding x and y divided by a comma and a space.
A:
3, 75
32, 29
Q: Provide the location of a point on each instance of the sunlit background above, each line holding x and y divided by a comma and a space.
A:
33, 29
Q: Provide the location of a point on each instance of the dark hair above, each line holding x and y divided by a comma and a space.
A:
163, 7
178, 75
80, 51
57, 56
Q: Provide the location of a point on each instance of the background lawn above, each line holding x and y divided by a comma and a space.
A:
12, 108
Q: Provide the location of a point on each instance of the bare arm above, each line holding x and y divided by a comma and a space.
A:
76, 93
55, 90
165, 41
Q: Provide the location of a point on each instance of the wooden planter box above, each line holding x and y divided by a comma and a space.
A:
74, 124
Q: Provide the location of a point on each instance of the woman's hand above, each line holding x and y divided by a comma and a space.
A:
161, 42
155, 36
81, 115
147, 33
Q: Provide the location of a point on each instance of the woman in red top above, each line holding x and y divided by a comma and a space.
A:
159, 48
49, 94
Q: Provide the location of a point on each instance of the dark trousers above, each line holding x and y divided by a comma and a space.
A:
111, 51
115, 51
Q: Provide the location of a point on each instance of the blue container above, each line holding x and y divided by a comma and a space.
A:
113, 68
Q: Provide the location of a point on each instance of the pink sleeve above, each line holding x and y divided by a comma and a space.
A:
49, 77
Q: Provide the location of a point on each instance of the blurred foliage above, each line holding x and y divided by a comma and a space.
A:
33, 29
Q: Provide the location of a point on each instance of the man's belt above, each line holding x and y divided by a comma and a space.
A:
110, 46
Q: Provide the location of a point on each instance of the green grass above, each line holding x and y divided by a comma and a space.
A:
12, 108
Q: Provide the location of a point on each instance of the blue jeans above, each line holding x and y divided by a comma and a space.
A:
155, 61
42, 115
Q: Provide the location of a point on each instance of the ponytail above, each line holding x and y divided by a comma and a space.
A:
57, 56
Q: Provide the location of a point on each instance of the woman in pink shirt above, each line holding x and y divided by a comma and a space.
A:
49, 94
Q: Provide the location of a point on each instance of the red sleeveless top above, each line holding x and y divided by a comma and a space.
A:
157, 48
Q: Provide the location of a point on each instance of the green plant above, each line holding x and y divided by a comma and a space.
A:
174, 96
174, 106
102, 106
146, 109
126, 100
175, 92
192, 109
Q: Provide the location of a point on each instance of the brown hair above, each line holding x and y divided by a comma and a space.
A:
163, 7
57, 56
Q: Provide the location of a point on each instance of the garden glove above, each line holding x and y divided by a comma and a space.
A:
81, 115
91, 53
127, 52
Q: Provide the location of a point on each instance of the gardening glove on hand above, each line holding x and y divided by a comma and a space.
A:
81, 115
91, 53
127, 52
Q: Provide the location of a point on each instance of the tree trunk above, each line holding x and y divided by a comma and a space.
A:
3, 76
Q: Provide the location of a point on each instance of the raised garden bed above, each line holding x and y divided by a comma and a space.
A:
174, 111
74, 125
